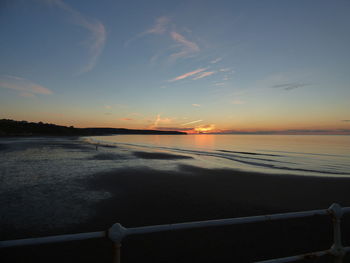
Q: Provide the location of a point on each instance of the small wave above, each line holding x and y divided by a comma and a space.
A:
305, 153
244, 158
272, 166
248, 153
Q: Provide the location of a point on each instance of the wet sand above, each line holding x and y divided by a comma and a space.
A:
160, 156
144, 196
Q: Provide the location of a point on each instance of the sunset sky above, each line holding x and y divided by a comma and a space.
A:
208, 66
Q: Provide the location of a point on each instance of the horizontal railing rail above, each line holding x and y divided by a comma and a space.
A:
117, 233
52, 239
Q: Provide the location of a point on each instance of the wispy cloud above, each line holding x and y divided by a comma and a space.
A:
159, 27
108, 107
26, 88
224, 69
159, 120
345, 120
238, 102
216, 60
26, 94
187, 47
95, 27
163, 26
12, 77
188, 74
196, 105
174, 129
203, 75
126, 119
290, 86
197, 74
191, 122
35, 88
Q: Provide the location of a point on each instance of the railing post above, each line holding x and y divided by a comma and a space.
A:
337, 249
116, 233
116, 252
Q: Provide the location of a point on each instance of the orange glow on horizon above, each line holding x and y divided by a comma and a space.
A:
301, 127
203, 129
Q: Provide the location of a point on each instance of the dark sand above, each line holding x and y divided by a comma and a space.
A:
108, 156
160, 156
142, 196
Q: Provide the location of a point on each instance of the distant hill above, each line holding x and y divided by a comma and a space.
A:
24, 128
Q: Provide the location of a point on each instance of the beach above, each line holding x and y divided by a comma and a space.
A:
141, 195
168, 114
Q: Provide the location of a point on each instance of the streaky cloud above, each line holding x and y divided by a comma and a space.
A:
13, 77
95, 27
184, 47
215, 60
26, 88
27, 95
173, 129
159, 120
35, 88
187, 47
203, 75
238, 102
290, 86
191, 122
160, 27
188, 74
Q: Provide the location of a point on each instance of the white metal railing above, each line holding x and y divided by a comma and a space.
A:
117, 233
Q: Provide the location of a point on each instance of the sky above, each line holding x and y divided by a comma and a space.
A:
195, 65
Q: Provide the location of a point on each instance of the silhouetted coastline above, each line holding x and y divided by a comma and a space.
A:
24, 128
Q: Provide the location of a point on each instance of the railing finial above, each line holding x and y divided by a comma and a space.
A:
117, 232
336, 210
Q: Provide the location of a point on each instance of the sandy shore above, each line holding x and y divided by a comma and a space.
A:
143, 196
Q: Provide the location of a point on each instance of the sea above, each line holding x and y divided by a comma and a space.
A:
308, 155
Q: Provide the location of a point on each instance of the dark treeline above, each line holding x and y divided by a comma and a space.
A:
24, 128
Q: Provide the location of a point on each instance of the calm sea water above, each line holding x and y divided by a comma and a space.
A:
292, 154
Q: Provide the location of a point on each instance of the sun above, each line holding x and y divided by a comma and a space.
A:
204, 128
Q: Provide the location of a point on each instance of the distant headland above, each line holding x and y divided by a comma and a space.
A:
24, 128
